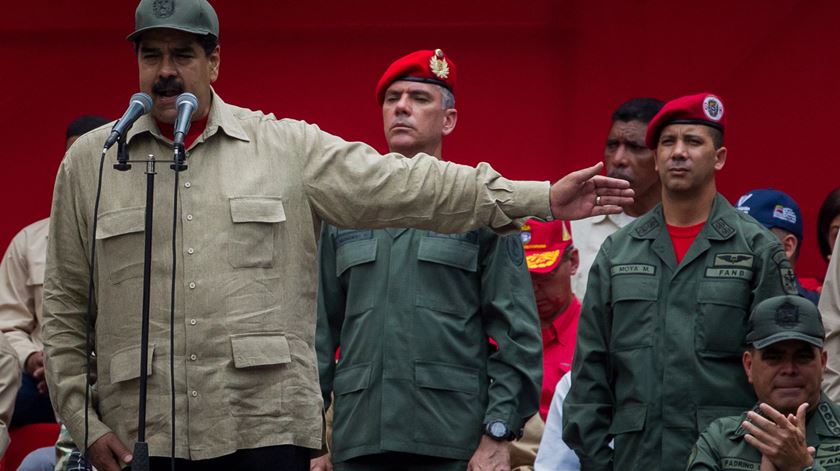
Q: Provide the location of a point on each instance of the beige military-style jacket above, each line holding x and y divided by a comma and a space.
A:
9, 385
21, 289
249, 209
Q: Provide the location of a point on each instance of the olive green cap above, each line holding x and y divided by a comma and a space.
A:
192, 16
785, 318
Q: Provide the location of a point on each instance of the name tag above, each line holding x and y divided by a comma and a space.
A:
737, 273
739, 464
633, 269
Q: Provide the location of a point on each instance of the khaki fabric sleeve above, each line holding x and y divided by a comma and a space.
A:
17, 301
351, 185
66, 300
523, 452
9, 385
830, 310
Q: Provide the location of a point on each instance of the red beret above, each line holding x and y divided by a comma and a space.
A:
420, 66
703, 108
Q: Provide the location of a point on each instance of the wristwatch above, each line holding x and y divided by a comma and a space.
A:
498, 430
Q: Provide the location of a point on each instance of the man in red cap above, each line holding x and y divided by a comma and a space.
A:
417, 384
663, 323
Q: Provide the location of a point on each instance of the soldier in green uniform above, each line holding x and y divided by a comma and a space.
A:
440, 347
794, 426
662, 326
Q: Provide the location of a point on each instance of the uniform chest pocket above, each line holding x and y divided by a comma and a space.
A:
722, 317
447, 274
120, 233
354, 254
255, 224
634, 308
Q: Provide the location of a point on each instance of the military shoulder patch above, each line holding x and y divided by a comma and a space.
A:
633, 269
723, 228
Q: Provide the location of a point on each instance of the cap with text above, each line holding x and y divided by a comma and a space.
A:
772, 208
544, 243
420, 66
192, 16
785, 318
703, 108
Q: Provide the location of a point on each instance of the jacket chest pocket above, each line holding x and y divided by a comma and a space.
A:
634, 309
255, 224
356, 261
448, 275
722, 317
120, 233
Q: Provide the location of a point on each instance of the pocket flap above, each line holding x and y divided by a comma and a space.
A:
354, 253
257, 209
634, 288
119, 222
628, 419
444, 376
454, 253
125, 363
735, 293
354, 378
259, 349
707, 415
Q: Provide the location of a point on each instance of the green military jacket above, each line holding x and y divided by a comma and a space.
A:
722, 446
412, 312
659, 344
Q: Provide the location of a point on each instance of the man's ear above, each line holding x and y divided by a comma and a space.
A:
574, 260
747, 360
720, 158
450, 119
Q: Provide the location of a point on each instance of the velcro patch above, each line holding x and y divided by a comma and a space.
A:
633, 269
739, 273
722, 228
647, 227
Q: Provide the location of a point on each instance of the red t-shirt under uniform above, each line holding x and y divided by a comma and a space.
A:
683, 237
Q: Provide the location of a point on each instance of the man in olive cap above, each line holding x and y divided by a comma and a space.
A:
794, 425
249, 207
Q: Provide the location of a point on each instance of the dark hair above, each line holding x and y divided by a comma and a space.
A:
829, 209
84, 124
638, 109
208, 42
717, 137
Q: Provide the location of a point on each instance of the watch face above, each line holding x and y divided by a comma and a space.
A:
498, 429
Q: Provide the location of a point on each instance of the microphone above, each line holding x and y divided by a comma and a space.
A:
139, 105
186, 104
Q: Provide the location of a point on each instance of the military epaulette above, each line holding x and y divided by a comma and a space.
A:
647, 227
723, 228
829, 418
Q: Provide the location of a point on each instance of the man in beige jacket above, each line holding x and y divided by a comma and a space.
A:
250, 205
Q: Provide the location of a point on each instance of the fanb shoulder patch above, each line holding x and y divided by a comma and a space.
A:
345, 236
722, 228
633, 269
788, 277
647, 227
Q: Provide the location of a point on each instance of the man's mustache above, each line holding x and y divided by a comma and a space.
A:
168, 86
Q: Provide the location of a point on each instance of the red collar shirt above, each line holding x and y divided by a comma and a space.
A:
558, 349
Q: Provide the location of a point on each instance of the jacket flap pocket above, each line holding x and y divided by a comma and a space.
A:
257, 209
119, 222
125, 363
259, 349
354, 253
707, 415
454, 253
634, 288
733, 293
352, 379
628, 419
444, 376
36, 274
